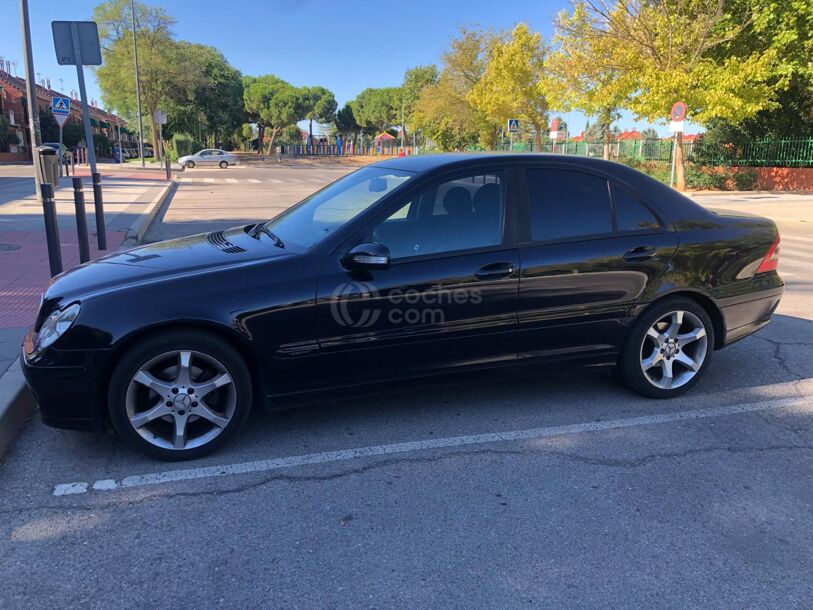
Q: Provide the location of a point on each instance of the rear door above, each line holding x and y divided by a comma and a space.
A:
589, 248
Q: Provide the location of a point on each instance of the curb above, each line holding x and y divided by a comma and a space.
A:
16, 405
136, 233
16, 400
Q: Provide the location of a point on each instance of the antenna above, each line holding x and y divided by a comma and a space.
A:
61, 84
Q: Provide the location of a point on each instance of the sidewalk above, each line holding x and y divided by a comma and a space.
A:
131, 201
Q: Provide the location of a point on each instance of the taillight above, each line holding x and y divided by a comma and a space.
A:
771, 259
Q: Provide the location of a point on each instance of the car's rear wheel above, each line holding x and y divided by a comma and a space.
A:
668, 348
190, 164
224, 164
179, 396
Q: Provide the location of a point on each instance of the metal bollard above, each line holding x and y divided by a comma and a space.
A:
51, 228
81, 221
101, 232
169, 169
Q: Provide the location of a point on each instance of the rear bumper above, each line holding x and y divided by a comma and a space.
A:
746, 314
66, 386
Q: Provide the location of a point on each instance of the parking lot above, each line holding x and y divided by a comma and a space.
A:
493, 491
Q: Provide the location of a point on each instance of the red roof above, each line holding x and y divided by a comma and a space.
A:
384, 136
631, 134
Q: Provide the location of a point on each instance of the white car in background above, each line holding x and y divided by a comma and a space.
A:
208, 156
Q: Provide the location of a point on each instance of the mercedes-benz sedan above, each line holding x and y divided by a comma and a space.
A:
409, 267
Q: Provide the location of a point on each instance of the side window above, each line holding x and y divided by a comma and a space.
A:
568, 204
630, 213
461, 214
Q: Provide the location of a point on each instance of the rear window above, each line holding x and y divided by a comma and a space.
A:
631, 214
568, 204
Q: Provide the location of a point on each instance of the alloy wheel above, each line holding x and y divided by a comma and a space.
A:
181, 400
674, 349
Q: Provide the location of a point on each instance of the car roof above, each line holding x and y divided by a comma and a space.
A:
672, 203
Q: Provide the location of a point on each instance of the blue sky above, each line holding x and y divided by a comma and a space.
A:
345, 46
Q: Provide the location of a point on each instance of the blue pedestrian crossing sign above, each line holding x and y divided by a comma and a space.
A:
61, 109
513, 125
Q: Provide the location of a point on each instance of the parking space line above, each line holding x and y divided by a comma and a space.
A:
190, 474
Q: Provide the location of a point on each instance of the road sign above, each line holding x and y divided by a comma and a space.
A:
160, 117
675, 126
88, 34
513, 125
678, 112
61, 109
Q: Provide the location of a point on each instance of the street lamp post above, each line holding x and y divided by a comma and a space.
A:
31, 92
138, 88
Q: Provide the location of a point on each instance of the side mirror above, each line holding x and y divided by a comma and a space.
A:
368, 256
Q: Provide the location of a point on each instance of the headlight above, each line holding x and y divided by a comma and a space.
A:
55, 326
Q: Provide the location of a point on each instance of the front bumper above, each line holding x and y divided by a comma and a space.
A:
67, 385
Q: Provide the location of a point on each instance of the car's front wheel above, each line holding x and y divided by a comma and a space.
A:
190, 164
668, 349
179, 395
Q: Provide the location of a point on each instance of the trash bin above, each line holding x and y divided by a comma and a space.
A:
49, 165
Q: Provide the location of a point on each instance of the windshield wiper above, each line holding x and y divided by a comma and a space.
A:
261, 228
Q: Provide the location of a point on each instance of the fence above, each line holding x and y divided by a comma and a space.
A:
652, 149
332, 150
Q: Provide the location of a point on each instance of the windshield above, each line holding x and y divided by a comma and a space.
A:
316, 217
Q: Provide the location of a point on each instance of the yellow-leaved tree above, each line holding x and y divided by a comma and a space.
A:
583, 73
679, 50
512, 85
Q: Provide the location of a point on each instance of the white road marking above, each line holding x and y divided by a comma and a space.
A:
794, 253
796, 238
796, 264
205, 472
67, 489
232, 180
254, 181
209, 180
276, 181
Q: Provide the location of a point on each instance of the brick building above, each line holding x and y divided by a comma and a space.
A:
13, 108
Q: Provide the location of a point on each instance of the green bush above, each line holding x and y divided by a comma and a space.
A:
183, 144
697, 178
745, 179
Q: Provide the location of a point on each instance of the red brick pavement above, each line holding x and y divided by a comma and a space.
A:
24, 271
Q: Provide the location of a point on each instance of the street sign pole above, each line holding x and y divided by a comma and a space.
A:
31, 95
138, 87
80, 74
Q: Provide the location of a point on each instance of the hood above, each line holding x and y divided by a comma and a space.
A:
202, 253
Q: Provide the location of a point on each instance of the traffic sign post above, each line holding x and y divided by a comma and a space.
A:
61, 109
677, 116
77, 43
159, 117
513, 127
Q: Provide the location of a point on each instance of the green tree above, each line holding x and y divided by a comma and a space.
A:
168, 69
320, 106
415, 80
682, 50
377, 110
72, 134
512, 85
345, 122
5, 133
49, 128
443, 111
273, 104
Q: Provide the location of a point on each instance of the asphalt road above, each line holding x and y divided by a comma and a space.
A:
581, 494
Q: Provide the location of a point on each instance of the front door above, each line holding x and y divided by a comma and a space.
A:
448, 298
591, 249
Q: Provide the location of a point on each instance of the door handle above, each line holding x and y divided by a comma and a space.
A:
494, 271
641, 253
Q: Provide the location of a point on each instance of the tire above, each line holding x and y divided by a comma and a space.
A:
190, 164
673, 336
159, 410
224, 164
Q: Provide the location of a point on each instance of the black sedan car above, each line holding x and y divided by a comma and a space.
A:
408, 267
